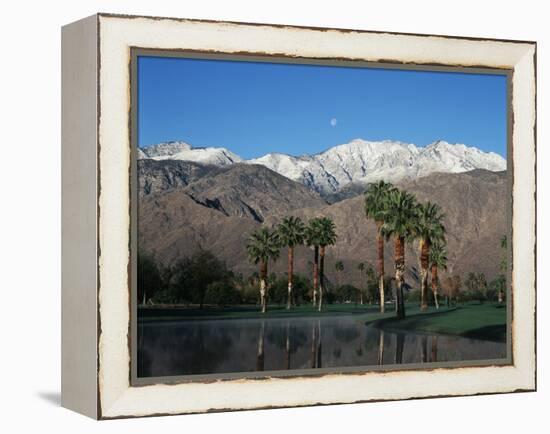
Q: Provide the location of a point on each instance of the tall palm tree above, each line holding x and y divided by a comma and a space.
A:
262, 246
438, 261
291, 232
361, 268
339, 267
429, 230
376, 201
327, 237
400, 223
313, 238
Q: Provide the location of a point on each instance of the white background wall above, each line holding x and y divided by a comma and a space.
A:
30, 215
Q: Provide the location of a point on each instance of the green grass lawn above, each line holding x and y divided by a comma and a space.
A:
480, 321
153, 313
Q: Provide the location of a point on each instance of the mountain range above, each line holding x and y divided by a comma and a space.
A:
345, 168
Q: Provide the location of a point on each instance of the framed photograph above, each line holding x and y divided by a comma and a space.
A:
261, 216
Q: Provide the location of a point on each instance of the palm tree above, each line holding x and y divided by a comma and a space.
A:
262, 246
438, 261
400, 223
313, 238
291, 232
429, 230
376, 201
339, 267
327, 237
361, 268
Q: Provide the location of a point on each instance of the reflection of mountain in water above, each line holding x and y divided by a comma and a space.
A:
224, 346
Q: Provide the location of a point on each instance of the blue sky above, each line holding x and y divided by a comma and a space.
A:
253, 108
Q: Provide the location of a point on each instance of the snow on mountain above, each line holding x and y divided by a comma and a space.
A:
358, 161
184, 151
361, 161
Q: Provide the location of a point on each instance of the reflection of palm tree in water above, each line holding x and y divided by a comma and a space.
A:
287, 346
316, 360
260, 358
381, 348
434, 348
423, 348
319, 364
313, 344
399, 344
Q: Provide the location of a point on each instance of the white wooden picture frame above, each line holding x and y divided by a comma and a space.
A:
96, 213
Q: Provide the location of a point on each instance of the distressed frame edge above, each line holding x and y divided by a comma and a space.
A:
135, 381
529, 386
79, 141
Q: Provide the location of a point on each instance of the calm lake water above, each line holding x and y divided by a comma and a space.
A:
225, 346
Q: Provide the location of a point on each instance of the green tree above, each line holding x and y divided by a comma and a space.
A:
376, 205
291, 232
262, 247
429, 231
400, 223
346, 293
190, 277
149, 278
477, 286
339, 267
496, 288
451, 286
437, 261
222, 293
300, 288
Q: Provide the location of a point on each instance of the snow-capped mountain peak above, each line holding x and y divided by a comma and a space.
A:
358, 161
184, 151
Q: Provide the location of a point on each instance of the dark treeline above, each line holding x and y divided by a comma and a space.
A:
203, 279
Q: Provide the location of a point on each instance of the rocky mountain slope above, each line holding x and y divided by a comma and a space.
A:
158, 176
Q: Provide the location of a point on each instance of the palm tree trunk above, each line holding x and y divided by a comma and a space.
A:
321, 275
290, 273
424, 263
315, 273
434, 284
260, 356
399, 273
263, 285
380, 246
